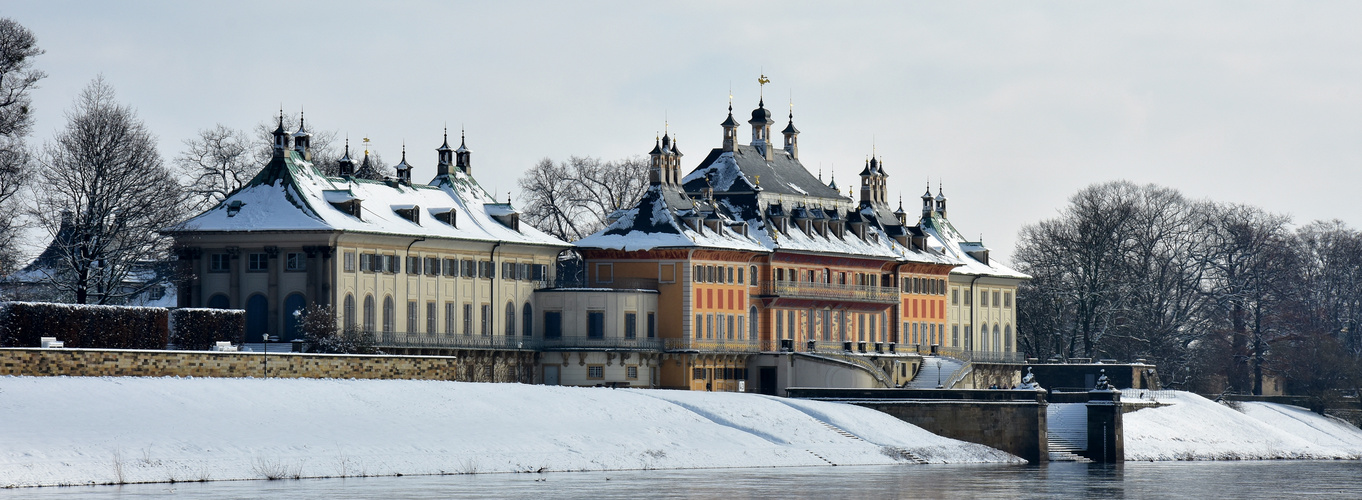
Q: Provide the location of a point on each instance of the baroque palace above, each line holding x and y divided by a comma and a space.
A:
746, 274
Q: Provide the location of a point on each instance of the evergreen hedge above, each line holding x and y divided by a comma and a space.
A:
23, 324
196, 329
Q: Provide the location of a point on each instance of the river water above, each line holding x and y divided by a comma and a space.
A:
1274, 479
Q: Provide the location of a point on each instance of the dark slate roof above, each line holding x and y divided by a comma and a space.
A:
782, 175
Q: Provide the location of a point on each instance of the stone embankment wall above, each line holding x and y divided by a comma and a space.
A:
1017, 427
469, 366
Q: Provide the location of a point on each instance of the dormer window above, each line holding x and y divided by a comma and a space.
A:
409, 212
234, 207
446, 215
343, 201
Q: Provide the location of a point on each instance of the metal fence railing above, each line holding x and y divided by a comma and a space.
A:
829, 291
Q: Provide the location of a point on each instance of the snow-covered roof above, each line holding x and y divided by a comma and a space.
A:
657, 222
944, 238
743, 168
290, 194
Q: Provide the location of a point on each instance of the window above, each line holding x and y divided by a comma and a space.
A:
595, 372
1007, 300
955, 297
430, 317
595, 324
698, 373
740, 270
466, 266
369, 313
630, 325
711, 275
451, 267
752, 271
652, 325
366, 262
730, 275
486, 319
996, 302
955, 335
295, 261
349, 258
780, 324
742, 323
729, 329
553, 324
539, 272
449, 318
413, 265
719, 328
349, 320
968, 297
258, 262
510, 319
790, 324
983, 337
698, 274
709, 327
1007, 338
508, 270
699, 323
389, 311
527, 320
467, 319
486, 269
219, 263
752, 320
983, 298
432, 266
411, 316
631, 372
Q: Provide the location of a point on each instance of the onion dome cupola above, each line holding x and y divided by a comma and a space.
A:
657, 169
280, 136
346, 165
730, 130
791, 138
463, 157
928, 201
445, 155
403, 168
302, 139
940, 201
761, 128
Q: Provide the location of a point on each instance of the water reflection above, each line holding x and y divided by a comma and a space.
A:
1276, 479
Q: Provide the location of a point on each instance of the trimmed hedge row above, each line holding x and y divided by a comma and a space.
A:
197, 329
23, 324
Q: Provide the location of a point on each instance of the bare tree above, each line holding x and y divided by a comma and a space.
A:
325, 146
18, 47
105, 195
551, 196
220, 160
575, 198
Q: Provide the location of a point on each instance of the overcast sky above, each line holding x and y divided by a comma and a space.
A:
1014, 106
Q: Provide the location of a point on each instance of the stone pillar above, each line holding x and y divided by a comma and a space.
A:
1106, 441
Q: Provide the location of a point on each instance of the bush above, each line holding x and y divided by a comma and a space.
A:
197, 329
318, 323
23, 324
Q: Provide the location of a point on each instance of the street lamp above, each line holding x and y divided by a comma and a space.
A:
265, 351
938, 373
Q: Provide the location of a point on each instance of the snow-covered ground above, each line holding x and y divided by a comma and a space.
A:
1195, 428
74, 430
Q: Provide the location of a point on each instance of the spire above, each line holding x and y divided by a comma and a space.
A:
761, 129
345, 164
657, 170
730, 128
927, 200
445, 156
833, 183
280, 136
302, 139
940, 199
791, 136
463, 157
403, 168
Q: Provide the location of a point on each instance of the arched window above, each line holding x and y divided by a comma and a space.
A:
389, 314
294, 307
527, 320
752, 318
257, 317
510, 319
1007, 338
219, 301
983, 337
997, 339
349, 320
369, 321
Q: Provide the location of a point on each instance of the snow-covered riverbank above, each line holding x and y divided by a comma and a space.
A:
1195, 428
71, 430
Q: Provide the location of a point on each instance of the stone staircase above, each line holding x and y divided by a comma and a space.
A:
934, 368
892, 451
1061, 451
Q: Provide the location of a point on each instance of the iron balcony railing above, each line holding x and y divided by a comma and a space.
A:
719, 345
982, 356
829, 291
416, 340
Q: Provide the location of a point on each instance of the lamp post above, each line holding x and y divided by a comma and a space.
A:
265, 351
938, 373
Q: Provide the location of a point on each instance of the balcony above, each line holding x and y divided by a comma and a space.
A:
830, 291
718, 345
584, 343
